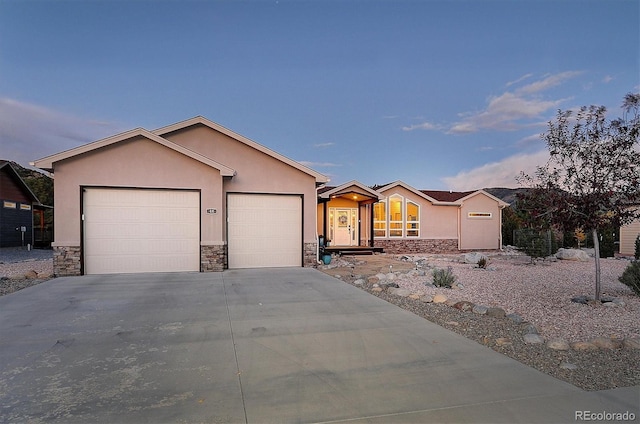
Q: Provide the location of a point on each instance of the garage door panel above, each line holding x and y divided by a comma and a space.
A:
264, 230
135, 230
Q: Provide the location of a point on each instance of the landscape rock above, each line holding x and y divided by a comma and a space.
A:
474, 257
568, 366
439, 298
583, 346
414, 296
464, 305
381, 276
373, 279
631, 343
607, 343
531, 338
479, 309
558, 344
496, 312
426, 299
515, 318
359, 282
528, 328
376, 289
572, 255
400, 292
30, 275
503, 341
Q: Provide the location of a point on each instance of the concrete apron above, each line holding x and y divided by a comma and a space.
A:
270, 345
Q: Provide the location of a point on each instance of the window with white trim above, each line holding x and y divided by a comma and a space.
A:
380, 219
413, 219
396, 217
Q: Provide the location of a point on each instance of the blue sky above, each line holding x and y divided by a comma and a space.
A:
439, 94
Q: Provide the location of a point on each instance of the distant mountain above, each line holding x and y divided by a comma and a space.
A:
507, 195
39, 183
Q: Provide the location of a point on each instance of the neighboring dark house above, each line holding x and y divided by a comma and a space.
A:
17, 206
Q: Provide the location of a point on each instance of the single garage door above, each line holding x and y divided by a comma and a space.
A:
138, 230
264, 230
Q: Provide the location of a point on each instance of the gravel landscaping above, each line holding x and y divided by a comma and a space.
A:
592, 346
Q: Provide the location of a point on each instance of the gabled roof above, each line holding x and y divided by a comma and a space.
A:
446, 196
200, 120
47, 162
350, 188
6, 166
442, 197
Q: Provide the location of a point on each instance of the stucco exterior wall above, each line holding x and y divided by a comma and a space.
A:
480, 232
256, 171
628, 235
135, 163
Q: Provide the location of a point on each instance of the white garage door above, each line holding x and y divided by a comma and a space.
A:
136, 230
264, 230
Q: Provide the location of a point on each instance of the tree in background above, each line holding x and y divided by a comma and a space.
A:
592, 178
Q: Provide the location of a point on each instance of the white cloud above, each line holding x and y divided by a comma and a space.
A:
522, 78
323, 145
607, 79
423, 126
497, 174
516, 109
29, 132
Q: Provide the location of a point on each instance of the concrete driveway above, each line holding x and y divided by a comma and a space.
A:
256, 346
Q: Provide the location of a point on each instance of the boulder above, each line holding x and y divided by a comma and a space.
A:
376, 289
528, 328
568, 366
474, 258
496, 312
607, 343
572, 255
515, 318
533, 338
426, 298
400, 292
558, 344
479, 309
439, 298
631, 343
359, 282
30, 275
582, 346
464, 305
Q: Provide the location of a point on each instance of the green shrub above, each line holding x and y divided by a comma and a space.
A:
443, 277
631, 277
607, 243
637, 252
483, 262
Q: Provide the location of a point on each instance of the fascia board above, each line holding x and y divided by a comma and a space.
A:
414, 191
500, 202
355, 183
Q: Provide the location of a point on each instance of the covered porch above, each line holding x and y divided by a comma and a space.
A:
345, 218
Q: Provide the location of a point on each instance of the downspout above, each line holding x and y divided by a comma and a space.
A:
459, 227
500, 230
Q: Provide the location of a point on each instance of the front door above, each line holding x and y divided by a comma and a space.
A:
345, 227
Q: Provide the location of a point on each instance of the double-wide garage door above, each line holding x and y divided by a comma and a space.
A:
141, 230
264, 230
138, 230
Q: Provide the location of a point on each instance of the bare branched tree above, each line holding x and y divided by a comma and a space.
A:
592, 178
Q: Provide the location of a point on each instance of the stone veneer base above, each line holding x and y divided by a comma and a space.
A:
213, 258
402, 246
66, 261
310, 258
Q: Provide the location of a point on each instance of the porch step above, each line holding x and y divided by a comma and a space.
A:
353, 250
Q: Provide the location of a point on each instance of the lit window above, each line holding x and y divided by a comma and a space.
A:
479, 215
379, 219
395, 216
413, 220
10, 205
